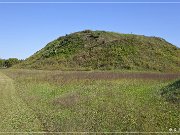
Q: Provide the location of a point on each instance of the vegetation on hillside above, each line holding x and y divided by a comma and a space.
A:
101, 50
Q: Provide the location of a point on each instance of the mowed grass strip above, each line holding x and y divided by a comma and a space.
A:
64, 101
15, 116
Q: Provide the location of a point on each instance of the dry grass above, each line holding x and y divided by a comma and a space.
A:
66, 76
67, 100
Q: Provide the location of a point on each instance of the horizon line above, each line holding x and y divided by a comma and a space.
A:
88, 2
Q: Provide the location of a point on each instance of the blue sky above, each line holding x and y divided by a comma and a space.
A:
26, 28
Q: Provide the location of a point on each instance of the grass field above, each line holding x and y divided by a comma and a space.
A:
50, 101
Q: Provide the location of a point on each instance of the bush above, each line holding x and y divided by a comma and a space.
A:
172, 92
2, 63
11, 61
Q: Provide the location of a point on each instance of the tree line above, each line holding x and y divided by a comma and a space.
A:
7, 63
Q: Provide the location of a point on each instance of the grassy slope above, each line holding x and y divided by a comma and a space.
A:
15, 115
68, 102
102, 50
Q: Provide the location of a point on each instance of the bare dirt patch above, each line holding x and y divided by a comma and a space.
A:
67, 100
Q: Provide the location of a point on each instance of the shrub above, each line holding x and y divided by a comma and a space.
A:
11, 61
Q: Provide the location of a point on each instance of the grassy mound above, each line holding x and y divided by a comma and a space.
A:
101, 50
172, 92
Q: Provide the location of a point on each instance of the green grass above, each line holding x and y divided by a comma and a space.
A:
15, 115
68, 101
172, 92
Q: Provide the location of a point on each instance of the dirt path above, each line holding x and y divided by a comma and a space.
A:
15, 116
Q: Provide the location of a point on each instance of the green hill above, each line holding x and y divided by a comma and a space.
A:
101, 50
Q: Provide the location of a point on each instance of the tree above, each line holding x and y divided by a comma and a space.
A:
10, 62
2, 63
